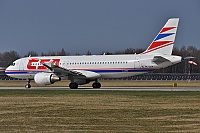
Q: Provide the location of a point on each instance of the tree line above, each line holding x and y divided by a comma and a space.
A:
6, 58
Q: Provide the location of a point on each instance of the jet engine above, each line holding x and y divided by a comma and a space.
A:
46, 78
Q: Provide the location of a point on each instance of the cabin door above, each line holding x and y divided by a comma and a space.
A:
137, 62
21, 65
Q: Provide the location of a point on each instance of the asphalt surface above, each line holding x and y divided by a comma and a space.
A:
109, 88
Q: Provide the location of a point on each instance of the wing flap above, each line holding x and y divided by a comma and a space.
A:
62, 71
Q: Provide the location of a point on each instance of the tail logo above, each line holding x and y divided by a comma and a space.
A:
164, 38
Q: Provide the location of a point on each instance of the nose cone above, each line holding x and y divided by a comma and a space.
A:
7, 70
10, 71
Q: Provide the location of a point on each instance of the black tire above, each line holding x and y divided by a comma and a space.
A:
73, 86
99, 85
27, 86
96, 85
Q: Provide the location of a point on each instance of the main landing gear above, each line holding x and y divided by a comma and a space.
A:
28, 85
74, 85
96, 85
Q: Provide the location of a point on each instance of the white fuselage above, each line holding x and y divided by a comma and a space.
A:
108, 66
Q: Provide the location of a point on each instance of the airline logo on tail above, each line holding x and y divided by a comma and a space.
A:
164, 41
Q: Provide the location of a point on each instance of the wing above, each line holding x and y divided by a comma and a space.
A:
60, 71
63, 72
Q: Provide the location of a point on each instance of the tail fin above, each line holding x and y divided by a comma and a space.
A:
164, 41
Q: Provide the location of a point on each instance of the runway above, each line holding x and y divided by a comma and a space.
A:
109, 88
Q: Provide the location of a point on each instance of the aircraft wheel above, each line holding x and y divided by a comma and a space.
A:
73, 85
96, 85
27, 86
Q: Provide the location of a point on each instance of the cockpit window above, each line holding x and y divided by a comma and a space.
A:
13, 64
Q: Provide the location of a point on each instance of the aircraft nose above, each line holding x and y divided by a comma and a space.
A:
7, 70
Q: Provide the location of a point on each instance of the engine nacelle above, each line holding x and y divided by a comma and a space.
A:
46, 78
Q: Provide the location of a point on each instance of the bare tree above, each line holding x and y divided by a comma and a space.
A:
77, 54
50, 53
9, 57
88, 53
31, 53
62, 53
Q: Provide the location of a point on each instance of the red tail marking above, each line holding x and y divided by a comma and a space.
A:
157, 44
166, 29
162, 46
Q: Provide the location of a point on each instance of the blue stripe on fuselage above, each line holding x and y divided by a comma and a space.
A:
92, 70
23, 72
133, 70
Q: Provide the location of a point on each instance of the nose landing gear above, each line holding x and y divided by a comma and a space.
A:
28, 85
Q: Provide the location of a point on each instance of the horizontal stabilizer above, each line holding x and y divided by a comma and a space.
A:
159, 59
188, 58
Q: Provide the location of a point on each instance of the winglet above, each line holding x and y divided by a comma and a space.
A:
164, 41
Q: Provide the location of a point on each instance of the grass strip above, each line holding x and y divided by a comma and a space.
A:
98, 111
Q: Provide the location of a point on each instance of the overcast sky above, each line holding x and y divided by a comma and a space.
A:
95, 25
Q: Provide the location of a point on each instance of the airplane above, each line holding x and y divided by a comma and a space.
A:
84, 69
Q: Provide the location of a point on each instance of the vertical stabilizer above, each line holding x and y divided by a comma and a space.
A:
164, 41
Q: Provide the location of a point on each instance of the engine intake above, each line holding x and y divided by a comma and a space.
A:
46, 78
